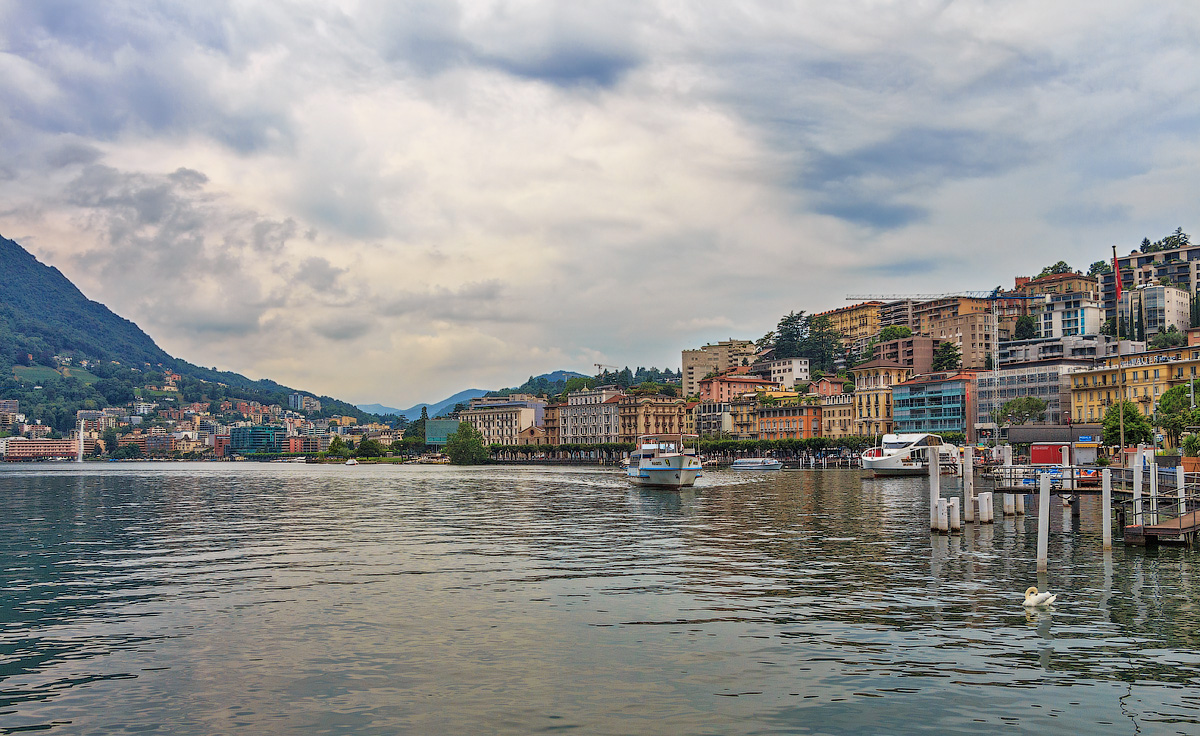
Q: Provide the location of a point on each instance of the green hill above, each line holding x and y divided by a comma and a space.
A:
43, 315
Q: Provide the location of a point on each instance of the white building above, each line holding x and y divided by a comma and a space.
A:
786, 372
1067, 315
1159, 307
590, 417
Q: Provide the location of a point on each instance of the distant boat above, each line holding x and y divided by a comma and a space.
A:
352, 461
756, 463
907, 454
664, 461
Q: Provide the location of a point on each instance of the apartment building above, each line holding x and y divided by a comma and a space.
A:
500, 423
591, 416
650, 414
915, 352
1180, 265
786, 372
973, 333
936, 402
857, 323
726, 388
789, 421
1157, 307
1147, 376
716, 358
837, 415
1048, 380
873, 384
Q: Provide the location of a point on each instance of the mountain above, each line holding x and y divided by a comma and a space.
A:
43, 315
434, 409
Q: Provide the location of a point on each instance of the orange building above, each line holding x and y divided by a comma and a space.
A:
796, 421
728, 387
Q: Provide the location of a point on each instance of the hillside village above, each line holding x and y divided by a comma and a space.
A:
973, 367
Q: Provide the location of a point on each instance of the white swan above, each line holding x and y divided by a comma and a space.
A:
1035, 599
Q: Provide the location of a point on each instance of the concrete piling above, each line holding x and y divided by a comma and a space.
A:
1043, 539
955, 520
935, 485
1106, 503
969, 483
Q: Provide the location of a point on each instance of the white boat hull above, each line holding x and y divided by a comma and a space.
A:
761, 465
679, 471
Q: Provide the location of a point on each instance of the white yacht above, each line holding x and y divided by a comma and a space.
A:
907, 454
756, 463
664, 461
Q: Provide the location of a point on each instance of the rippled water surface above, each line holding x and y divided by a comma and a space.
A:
223, 598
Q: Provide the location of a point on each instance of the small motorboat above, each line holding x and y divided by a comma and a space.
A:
756, 463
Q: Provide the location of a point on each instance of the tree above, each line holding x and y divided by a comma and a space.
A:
1137, 427
338, 448
126, 452
1057, 268
369, 448
1026, 328
1021, 410
946, 357
1099, 268
465, 446
894, 332
1168, 338
789, 334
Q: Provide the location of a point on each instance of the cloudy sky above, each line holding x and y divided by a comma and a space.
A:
393, 201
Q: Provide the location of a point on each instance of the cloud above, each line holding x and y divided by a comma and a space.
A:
470, 193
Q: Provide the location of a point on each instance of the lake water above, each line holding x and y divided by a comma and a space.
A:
268, 598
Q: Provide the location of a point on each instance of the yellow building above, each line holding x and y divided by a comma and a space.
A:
873, 395
650, 414
1147, 377
858, 323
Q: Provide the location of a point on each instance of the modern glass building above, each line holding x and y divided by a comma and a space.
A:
438, 431
936, 402
257, 438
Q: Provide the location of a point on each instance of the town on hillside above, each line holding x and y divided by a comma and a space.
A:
1064, 355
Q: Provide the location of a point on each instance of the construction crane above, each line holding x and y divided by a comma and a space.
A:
601, 366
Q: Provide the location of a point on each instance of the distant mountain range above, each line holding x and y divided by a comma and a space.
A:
43, 314
434, 409
547, 381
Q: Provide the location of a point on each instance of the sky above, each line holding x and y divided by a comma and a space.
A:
393, 201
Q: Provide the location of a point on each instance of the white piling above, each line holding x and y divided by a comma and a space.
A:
1006, 453
1137, 486
986, 512
1152, 516
955, 521
1180, 483
1106, 505
1020, 504
1068, 478
1043, 539
1010, 505
943, 523
935, 483
969, 483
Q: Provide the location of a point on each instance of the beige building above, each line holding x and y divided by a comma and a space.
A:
650, 414
873, 395
973, 333
550, 423
500, 424
858, 323
837, 415
1158, 307
717, 358
590, 417
925, 314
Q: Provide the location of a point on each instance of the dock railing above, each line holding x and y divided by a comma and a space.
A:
1026, 478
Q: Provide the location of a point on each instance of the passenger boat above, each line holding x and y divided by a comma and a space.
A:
664, 461
756, 463
907, 454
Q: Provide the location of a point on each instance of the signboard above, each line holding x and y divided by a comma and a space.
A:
1086, 438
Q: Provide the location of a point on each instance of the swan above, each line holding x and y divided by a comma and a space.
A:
1034, 599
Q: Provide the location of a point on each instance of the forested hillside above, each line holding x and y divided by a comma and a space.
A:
48, 328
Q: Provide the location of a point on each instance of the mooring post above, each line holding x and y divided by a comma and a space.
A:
1137, 486
1068, 475
943, 513
1180, 484
935, 484
1043, 522
955, 520
1106, 504
1152, 517
1020, 505
987, 513
968, 475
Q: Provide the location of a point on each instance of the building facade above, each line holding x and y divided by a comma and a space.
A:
916, 352
857, 323
972, 332
500, 423
727, 388
1049, 381
1180, 265
837, 415
591, 416
1157, 307
711, 358
713, 419
936, 402
873, 384
800, 420
650, 414
786, 372
1147, 376
1070, 314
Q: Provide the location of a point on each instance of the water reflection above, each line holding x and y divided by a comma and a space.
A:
203, 599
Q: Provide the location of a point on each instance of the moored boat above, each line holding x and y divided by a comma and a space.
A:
908, 454
756, 463
664, 461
